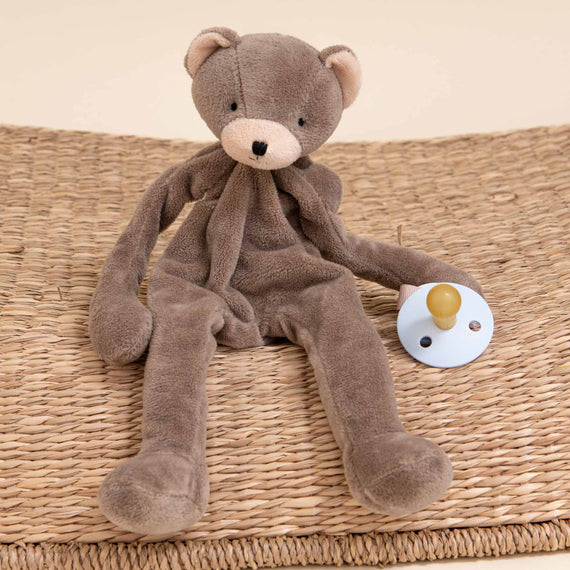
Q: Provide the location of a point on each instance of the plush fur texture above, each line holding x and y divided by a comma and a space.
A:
262, 254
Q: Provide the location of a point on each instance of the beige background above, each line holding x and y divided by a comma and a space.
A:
431, 68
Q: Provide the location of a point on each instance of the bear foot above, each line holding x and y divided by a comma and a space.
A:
397, 473
155, 493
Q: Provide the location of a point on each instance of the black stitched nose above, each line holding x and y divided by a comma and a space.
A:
259, 148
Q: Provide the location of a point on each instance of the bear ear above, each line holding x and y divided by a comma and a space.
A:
205, 44
347, 69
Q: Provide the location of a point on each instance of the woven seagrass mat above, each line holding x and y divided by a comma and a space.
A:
496, 205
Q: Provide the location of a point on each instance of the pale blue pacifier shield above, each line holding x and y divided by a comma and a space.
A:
461, 344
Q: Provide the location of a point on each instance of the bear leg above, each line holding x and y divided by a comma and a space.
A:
388, 470
165, 488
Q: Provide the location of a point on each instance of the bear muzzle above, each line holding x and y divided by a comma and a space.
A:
260, 143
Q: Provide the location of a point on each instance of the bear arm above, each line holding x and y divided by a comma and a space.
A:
119, 325
392, 265
386, 264
158, 208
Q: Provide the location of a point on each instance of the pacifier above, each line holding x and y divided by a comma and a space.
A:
444, 324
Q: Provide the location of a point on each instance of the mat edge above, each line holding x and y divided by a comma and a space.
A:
438, 139
374, 549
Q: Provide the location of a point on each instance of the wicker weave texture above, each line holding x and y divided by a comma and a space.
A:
495, 205
375, 549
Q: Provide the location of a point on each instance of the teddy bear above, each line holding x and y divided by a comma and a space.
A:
262, 255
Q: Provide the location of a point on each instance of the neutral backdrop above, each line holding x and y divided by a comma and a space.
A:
431, 68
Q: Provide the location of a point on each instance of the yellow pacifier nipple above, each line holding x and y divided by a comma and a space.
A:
443, 302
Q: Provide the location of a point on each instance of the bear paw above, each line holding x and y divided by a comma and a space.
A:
120, 331
155, 493
397, 473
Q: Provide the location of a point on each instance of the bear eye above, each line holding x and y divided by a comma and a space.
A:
301, 122
233, 106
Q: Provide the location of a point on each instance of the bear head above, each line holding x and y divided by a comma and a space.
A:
269, 98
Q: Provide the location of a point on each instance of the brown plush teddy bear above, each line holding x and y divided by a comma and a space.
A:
262, 254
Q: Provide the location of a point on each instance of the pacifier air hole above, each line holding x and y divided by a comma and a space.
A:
475, 326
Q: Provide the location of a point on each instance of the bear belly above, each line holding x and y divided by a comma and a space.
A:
248, 247
290, 269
